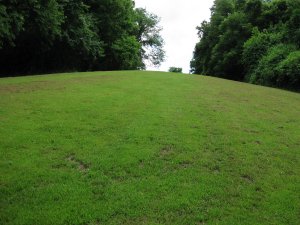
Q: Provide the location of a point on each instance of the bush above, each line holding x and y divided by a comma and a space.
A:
257, 47
175, 70
276, 67
288, 72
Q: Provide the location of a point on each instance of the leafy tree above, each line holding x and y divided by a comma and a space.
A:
32, 28
256, 47
209, 33
202, 53
38, 36
80, 45
266, 72
126, 52
148, 34
250, 40
226, 54
253, 11
275, 12
293, 24
11, 23
115, 21
288, 72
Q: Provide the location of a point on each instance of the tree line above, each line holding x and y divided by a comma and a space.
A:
46, 36
257, 41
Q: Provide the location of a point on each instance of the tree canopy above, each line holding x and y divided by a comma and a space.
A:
38, 36
256, 41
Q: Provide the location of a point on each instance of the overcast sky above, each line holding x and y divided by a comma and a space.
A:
179, 19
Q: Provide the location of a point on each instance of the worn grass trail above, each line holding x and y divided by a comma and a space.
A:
147, 148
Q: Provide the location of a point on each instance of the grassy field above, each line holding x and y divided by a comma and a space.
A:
147, 148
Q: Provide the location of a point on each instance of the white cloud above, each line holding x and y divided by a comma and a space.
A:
179, 20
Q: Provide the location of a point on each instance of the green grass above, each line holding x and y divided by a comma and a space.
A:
147, 148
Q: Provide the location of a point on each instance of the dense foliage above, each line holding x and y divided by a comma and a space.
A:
175, 69
38, 36
257, 41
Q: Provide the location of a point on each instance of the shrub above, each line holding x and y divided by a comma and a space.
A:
267, 73
175, 70
256, 47
288, 72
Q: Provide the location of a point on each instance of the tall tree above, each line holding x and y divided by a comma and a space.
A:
251, 40
38, 36
148, 34
115, 20
32, 28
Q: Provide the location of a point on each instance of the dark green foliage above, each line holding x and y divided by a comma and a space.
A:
280, 67
256, 47
288, 71
225, 60
11, 23
227, 49
75, 35
293, 26
116, 22
266, 72
253, 10
80, 45
175, 70
126, 53
32, 27
199, 63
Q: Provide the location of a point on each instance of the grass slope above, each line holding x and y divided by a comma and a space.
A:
147, 148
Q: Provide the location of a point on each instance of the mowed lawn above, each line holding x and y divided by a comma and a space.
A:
147, 148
